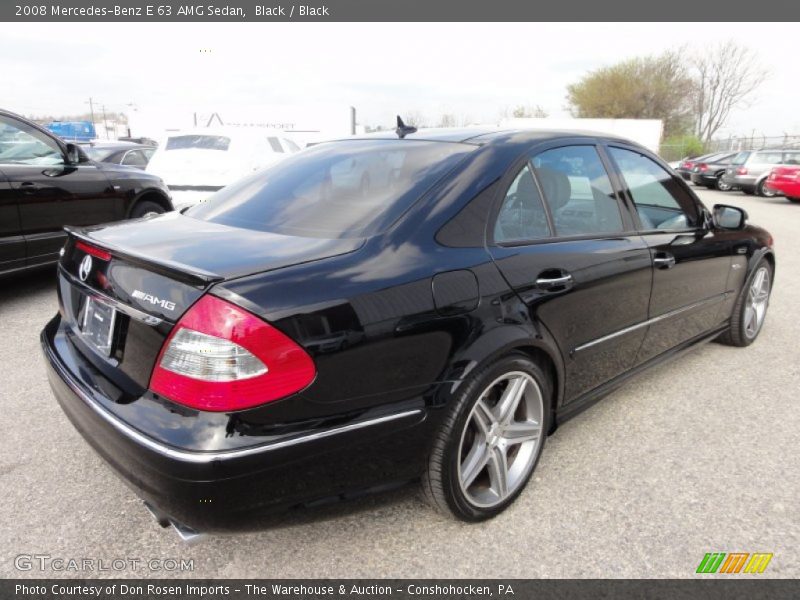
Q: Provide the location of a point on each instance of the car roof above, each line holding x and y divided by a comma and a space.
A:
485, 135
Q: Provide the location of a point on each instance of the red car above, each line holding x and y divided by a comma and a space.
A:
785, 180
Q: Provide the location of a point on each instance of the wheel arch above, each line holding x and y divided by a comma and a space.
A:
151, 195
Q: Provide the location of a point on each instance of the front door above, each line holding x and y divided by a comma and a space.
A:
50, 193
564, 242
691, 264
12, 243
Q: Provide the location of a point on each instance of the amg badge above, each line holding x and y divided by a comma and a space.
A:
144, 296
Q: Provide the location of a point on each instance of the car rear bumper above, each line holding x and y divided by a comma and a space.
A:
743, 181
790, 189
218, 490
703, 179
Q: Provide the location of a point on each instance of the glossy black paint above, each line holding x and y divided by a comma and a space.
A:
394, 324
37, 201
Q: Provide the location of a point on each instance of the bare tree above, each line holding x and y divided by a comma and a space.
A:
414, 118
522, 112
726, 77
447, 120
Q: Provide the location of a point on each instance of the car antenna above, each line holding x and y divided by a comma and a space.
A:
402, 129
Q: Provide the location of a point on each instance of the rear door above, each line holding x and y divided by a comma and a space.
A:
690, 263
567, 246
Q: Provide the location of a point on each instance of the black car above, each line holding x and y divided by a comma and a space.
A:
119, 153
708, 173
294, 340
46, 183
686, 167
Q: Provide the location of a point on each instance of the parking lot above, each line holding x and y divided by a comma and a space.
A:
699, 455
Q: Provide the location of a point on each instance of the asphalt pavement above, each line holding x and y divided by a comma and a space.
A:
699, 455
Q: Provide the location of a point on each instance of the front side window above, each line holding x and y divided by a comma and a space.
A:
767, 158
522, 215
578, 191
660, 201
275, 144
291, 145
21, 144
348, 189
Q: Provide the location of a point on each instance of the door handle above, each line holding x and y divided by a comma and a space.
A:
663, 260
29, 187
554, 283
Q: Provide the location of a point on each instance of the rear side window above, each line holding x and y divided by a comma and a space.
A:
578, 191
291, 145
354, 188
522, 215
767, 158
275, 144
660, 200
791, 158
198, 142
740, 158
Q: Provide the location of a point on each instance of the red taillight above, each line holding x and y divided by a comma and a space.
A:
220, 357
741, 171
93, 250
688, 165
703, 167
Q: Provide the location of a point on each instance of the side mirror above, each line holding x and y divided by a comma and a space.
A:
75, 155
729, 217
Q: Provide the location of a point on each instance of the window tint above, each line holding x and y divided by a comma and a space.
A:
135, 158
658, 196
522, 215
578, 191
275, 144
198, 142
334, 190
22, 144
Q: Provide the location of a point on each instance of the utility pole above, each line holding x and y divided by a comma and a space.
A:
91, 111
105, 123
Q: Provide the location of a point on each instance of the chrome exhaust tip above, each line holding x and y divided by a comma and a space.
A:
186, 533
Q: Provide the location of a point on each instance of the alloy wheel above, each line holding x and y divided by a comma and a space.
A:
722, 185
501, 439
756, 304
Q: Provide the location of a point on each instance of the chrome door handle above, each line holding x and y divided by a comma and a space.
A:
663, 260
549, 283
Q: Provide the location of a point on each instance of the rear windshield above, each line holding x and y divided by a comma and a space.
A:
336, 190
740, 158
200, 142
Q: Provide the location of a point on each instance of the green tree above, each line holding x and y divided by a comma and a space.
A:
651, 87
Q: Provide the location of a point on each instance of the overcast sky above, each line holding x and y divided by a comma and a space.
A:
471, 70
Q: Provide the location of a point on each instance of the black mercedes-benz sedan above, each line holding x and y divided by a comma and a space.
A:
47, 183
413, 306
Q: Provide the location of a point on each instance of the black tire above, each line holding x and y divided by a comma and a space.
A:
795, 200
748, 191
722, 186
736, 334
440, 483
146, 207
762, 190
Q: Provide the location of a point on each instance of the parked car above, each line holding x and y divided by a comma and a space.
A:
46, 183
687, 165
120, 153
786, 181
199, 162
749, 169
709, 172
495, 285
